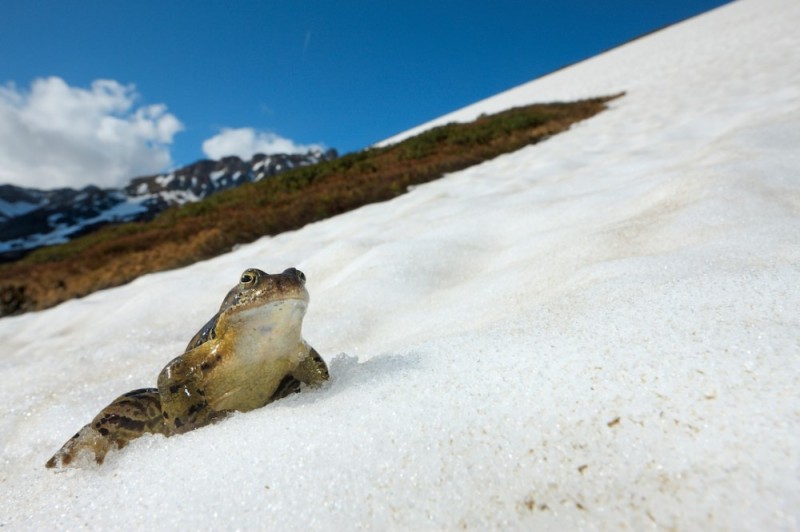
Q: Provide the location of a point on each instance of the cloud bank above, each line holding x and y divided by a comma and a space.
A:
55, 135
244, 142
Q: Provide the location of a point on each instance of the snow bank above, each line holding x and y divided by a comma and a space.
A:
600, 331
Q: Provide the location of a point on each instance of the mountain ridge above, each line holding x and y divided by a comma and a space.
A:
32, 218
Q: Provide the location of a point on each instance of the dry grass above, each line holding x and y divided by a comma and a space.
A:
118, 254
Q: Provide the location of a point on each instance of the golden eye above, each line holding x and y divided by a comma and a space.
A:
246, 278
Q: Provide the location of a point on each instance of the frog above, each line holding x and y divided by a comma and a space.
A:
249, 354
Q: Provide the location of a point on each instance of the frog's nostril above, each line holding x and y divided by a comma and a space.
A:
297, 274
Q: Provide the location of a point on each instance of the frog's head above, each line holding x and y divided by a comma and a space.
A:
265, 303
261, 301
257, 288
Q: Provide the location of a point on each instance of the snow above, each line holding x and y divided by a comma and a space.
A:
60, 233
216, 175
11, 209
179, 197
164, 180
600, 331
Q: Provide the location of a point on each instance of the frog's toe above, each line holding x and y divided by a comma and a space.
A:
87, 440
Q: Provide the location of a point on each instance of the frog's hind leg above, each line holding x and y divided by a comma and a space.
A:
126, 418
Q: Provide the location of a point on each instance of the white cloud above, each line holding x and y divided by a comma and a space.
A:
55, 135
244, 142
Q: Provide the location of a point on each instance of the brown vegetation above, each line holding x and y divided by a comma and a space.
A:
118, 254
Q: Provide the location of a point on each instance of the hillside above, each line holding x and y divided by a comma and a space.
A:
118, 254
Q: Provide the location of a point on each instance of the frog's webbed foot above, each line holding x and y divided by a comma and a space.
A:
312, 370
126, 418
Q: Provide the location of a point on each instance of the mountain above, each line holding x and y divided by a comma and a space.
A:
31, 218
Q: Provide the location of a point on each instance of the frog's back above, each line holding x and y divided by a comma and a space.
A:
206, 333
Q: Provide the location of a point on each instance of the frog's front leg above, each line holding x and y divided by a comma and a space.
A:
311, 371
126, 418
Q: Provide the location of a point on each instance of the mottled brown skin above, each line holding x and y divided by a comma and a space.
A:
249, 354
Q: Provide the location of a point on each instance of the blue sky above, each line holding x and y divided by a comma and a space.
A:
247, 73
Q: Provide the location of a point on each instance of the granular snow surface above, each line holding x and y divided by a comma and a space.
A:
601, 331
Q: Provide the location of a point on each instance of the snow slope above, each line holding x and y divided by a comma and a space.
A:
600, 331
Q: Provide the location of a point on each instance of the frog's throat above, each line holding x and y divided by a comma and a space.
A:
273, 330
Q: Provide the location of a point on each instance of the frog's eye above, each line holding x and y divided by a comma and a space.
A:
247, 278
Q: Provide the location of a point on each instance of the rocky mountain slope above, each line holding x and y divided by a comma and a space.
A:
31, 218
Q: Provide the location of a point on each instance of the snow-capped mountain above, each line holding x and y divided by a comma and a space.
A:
31, 218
